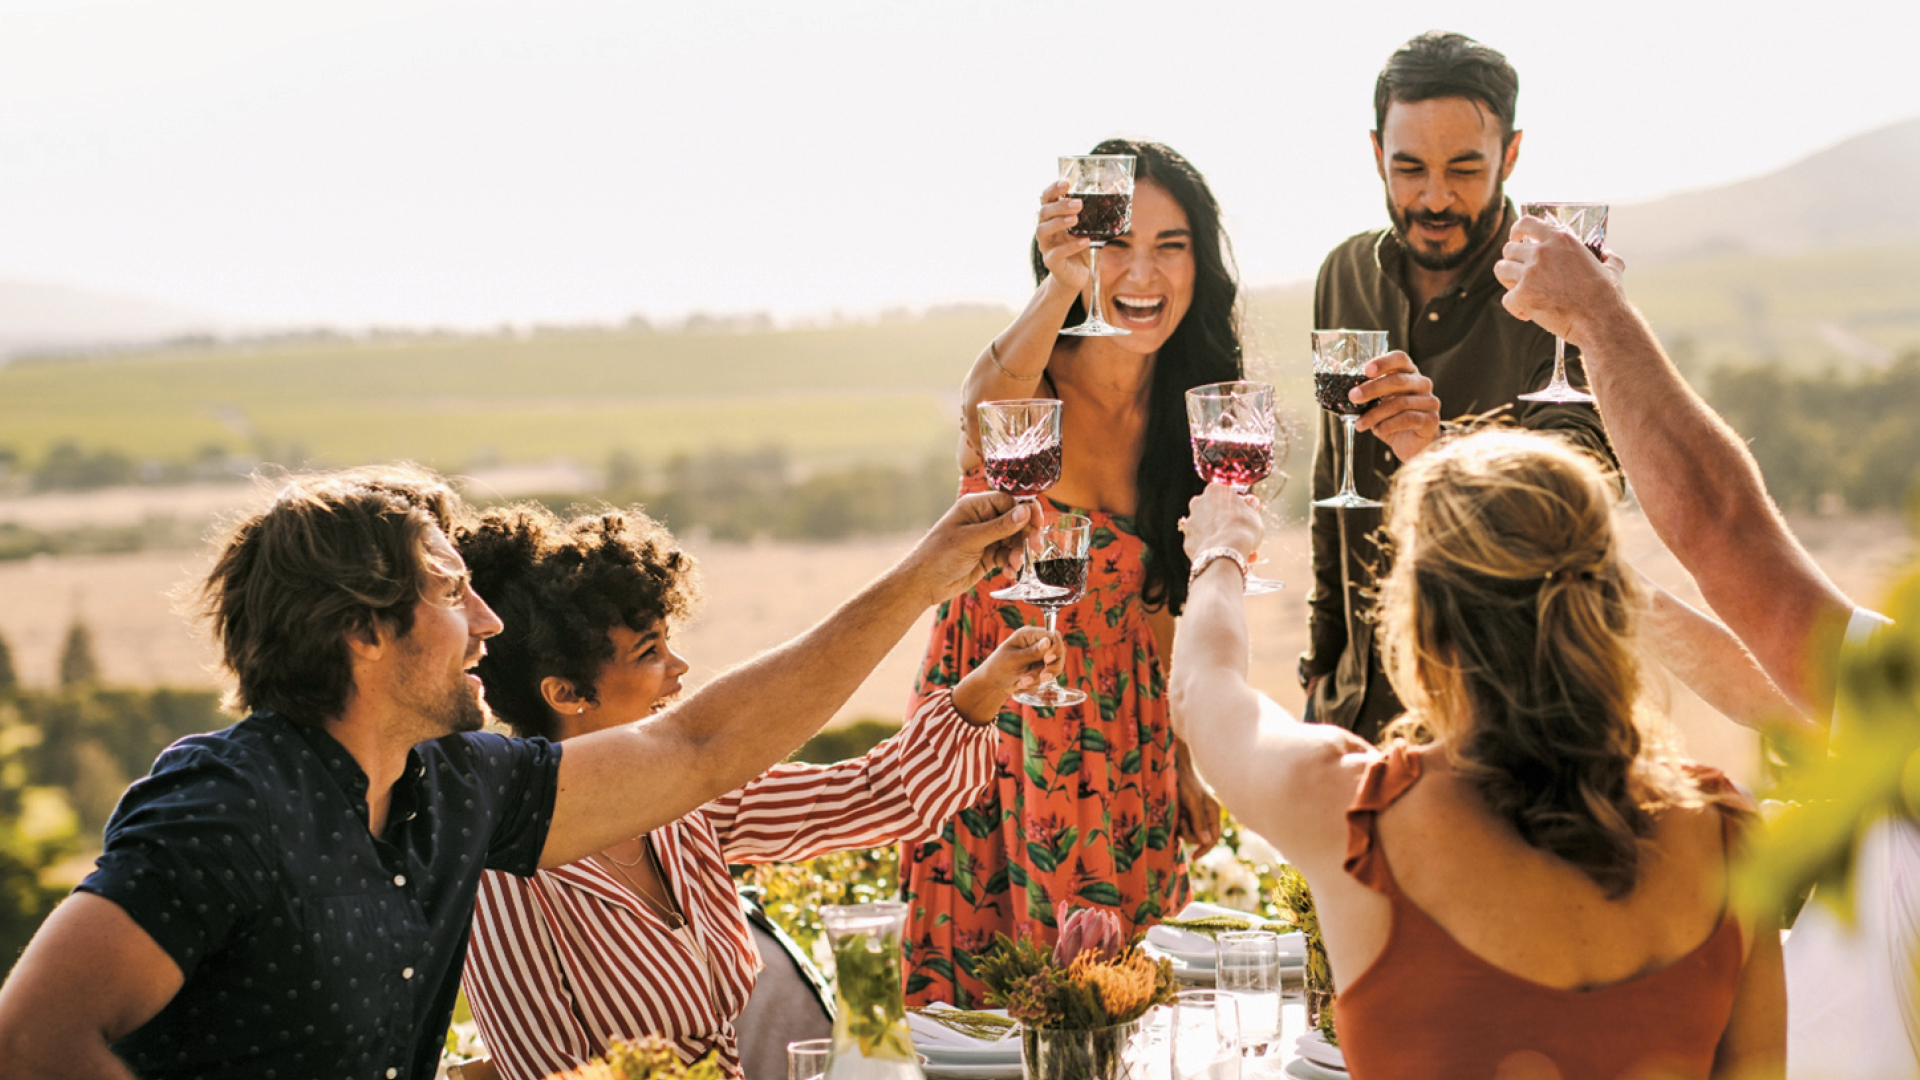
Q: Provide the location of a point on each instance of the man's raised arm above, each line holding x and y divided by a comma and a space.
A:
619, 783
1694, 478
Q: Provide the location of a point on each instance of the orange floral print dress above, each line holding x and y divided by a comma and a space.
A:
1083, 804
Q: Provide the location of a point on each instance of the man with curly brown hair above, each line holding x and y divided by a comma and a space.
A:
290, 897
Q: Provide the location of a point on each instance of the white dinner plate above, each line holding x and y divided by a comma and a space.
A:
1314, 1047
971, 1055
1302, 1069
936, 1070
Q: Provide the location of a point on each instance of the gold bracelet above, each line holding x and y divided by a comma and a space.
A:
1215, 554
993, 354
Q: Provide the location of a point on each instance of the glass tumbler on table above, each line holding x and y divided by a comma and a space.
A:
1339, 365
807, 1059
1247, 964
1235, 441
1020, 447
1205, 1036
1104, 185
1059, 557
1588, 222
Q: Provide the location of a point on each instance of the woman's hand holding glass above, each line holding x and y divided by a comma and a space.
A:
1027, 657
1217, 517
1064, 254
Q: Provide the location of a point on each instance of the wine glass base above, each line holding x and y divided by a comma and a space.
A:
1030, 591
1559, 393
1096, 327
1347, 502
1050, 696
1259, 585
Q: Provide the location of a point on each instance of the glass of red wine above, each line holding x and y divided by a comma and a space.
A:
1020, 445
1104, 185
1588, 222
1059, 557
1234, 436
1340, 364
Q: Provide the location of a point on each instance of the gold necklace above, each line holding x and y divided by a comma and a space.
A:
668, 911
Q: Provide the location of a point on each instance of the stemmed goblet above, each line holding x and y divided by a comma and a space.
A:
1059, 557
1020, 443
1339, 364
1234, 435
1104, 185
1588, 222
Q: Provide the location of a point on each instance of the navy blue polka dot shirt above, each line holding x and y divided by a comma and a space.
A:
311, 949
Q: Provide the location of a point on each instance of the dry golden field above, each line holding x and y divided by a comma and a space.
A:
760, 594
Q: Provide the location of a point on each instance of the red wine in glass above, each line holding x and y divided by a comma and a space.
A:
1238, 463
1330, 389
1024, 476
1103, 216
1062, 563
1063, 573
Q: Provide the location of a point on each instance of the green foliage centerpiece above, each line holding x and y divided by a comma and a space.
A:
1079, 1006
870, 1038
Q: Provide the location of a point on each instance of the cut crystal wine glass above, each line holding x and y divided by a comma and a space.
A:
1589, 223
1236, 442
1104, 185
1060, 558
1340, 364
1020, 448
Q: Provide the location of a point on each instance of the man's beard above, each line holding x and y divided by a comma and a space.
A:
1479, 228
443, 707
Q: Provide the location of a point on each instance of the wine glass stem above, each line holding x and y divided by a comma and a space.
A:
1051, 612
1346, 476
1032, 504
1559, 361
1096, 314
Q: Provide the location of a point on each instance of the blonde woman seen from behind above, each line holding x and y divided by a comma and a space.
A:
1525, 880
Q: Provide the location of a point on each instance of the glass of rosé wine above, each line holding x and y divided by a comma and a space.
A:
1340, 364
1020, 450
1235, 441
1104, 185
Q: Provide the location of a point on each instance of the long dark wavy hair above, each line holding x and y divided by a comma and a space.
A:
1204, 348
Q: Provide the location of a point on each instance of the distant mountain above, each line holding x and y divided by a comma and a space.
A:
37, 317
1859, 193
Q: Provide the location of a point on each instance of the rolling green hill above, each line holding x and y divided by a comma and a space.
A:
876, 393
846, 393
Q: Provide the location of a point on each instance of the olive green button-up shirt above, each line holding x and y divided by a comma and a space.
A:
1480, 358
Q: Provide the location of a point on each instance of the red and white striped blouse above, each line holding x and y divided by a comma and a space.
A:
569, 959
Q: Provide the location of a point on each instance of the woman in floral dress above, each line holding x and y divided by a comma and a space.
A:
1090, 802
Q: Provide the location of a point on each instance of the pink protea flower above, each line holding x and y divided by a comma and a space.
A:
1086, 930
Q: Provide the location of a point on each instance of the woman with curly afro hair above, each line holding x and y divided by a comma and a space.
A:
648, 936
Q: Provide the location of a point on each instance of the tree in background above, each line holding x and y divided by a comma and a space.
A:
77, 664
9, 678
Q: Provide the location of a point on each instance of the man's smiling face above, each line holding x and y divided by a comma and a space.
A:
1444, 166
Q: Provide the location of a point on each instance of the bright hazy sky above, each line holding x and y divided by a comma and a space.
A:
419, 162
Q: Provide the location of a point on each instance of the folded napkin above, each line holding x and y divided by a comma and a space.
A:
931, 1033
1190, 943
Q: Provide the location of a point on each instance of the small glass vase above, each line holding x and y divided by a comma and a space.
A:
1108, 1053
870, 1037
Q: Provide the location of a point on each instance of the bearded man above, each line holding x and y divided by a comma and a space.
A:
1444, 144
290, 898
